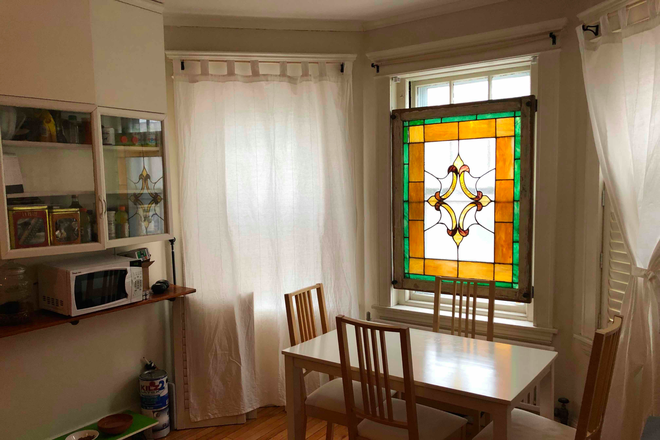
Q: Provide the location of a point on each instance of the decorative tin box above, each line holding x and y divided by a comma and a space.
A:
64, 226
28, 226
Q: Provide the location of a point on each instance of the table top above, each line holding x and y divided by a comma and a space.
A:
140, 423
491, 370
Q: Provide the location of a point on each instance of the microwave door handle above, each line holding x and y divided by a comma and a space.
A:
128, 283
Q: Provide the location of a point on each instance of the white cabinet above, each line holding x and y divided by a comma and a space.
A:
46, 50
133, 178
68, 186
129, 56
105, 52
70, 67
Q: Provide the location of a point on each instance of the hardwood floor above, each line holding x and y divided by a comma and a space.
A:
269, 424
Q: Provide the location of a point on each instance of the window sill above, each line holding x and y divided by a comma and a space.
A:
505, 329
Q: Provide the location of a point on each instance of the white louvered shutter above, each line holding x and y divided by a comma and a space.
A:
616, 266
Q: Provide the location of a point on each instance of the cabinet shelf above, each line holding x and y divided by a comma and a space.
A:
49, 194
33, 144
44, 318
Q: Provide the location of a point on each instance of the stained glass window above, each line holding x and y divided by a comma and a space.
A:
460, 204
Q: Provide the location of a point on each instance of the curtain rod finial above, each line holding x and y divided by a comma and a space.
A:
593, 29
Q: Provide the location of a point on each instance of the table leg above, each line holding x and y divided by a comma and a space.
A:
295, 411
502, 422
547, 394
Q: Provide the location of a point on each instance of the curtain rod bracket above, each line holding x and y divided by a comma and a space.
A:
376, 66
183, 65
554, 38
342, 68
593, 29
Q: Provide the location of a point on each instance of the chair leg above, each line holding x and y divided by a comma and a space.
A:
330, 431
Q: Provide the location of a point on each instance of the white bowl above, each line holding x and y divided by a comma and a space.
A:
82, 434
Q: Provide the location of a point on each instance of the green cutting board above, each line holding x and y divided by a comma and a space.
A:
140, 423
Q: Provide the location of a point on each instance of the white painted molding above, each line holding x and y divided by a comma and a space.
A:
183, 17
150, 5
486, 41
584, 343
420, 14
593, 14
423, 318
263, 57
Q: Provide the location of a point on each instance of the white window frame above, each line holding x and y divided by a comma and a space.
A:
451, 78
503, 309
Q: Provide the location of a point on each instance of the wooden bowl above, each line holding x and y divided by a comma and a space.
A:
115, 424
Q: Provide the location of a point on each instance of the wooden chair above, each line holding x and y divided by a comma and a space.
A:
461, 288
528, 426
464, 288
385, 417
304, 306
327, 402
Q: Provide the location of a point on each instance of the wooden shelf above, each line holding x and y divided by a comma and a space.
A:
44, 318
34, 144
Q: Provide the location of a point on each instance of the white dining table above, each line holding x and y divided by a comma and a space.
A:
486, 376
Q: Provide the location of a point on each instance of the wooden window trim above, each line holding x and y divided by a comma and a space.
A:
527, 107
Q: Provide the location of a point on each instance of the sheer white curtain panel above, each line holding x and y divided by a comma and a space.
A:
622, 80
267, 207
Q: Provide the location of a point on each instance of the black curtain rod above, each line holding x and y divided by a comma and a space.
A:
592, 28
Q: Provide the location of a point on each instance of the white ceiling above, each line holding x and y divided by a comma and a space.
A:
354, 10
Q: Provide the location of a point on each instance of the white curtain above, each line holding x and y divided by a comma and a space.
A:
267, 207
622, 79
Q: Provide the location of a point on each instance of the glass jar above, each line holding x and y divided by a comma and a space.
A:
15, 296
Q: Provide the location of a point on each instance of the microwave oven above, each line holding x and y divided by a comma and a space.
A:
79, 286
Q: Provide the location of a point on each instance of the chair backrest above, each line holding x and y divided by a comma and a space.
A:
599, 379
461, 288
374, 377
304, 306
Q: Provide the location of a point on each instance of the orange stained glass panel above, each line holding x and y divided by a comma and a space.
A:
503, 211
441, 132
503, 190
503, 272
416, 133
504, 158
416, 231
441, 268
482, 271
416, 172
505, 127
417, 266
476, 129
503, 243
416, 191
416, 211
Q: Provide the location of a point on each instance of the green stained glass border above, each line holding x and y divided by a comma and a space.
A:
460, 118
517, 186
496, 115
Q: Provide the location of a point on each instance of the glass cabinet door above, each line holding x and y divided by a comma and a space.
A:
48, 173
134, 179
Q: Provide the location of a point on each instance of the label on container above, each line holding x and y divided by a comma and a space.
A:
153, 394
163, 426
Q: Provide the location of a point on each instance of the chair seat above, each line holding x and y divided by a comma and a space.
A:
528, 426
330, 396
433, 424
